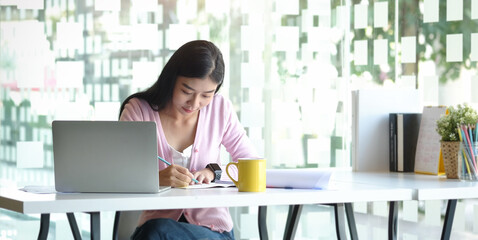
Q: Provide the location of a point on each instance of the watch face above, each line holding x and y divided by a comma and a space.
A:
214, 166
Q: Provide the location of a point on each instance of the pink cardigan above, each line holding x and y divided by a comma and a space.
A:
217, 125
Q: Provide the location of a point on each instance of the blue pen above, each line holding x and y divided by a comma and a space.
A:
169, 164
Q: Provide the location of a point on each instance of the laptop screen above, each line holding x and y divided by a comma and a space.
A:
105, 156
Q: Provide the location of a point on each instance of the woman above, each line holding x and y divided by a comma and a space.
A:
193, 121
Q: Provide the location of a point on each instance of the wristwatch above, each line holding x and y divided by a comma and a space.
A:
214, 167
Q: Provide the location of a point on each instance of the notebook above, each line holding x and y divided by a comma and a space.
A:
105, 156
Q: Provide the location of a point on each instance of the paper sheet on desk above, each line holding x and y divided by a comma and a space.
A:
298, 178
39, 189
217, 184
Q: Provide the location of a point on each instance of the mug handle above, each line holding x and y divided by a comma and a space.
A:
227, 171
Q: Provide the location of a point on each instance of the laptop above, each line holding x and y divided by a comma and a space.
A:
105, 156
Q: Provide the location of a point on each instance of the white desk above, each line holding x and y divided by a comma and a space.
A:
426, 187
343, 192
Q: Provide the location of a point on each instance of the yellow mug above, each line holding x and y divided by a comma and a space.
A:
251, 174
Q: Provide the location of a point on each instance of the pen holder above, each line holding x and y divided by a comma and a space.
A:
468, 162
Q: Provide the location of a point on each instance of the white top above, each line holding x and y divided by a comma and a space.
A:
177, 198
181, 158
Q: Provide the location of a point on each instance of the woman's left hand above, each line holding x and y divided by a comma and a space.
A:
204, 176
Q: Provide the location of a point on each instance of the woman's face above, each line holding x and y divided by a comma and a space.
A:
192, 94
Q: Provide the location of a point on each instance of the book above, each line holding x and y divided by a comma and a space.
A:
404, 129
392, 121
410, 129
428, 159
370, 124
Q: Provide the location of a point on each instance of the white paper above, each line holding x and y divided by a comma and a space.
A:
474, 47
380, 51
360, 17
217, 184
454, 10
287, 39
380, 10
474, 9
409, 49
360, 52
307, 178
30, 154
431, 11
39, 189
454, 47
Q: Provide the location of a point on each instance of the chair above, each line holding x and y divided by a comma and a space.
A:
125, 223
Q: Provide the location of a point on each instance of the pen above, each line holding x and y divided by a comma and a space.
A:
169, 164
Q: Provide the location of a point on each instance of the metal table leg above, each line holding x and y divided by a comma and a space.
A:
116, 225
74, 226
95, 225
448, 223
292, 221
44, 226
339, 210
349, 213
393, 221
263, 223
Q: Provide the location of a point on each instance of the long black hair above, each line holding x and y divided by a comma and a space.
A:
195, 59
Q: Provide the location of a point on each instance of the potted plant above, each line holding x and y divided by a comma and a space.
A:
447, 128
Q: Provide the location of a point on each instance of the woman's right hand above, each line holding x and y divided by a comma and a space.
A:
175, 176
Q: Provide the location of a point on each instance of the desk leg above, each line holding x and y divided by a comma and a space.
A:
263, 223
73, 226
44, 226
339, 210
116, 225
292, 221
95, 225
448, 224
393, 220
349, 213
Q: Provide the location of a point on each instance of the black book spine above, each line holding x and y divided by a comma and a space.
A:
393, 141
411, 128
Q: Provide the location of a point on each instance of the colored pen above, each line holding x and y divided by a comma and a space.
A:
169, 164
